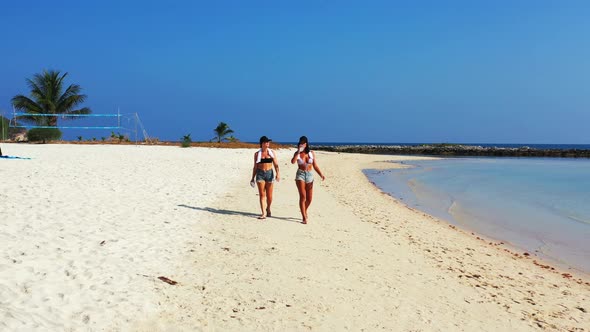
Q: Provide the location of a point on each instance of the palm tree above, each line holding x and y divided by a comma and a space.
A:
221, 131
186, 141
47, 98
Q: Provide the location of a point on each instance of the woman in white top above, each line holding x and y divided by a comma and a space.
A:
306, 161
264, 161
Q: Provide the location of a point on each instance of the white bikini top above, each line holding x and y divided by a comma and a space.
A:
266, 160
309, 160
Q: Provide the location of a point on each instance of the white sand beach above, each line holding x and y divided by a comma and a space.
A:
87, 230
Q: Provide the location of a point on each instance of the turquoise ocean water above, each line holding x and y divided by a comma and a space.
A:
539, 205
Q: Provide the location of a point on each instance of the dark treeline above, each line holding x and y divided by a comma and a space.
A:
457, 150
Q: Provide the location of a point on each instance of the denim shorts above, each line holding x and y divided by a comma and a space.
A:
265, 176
306, 176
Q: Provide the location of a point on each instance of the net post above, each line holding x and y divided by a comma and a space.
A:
136, 117
2, 124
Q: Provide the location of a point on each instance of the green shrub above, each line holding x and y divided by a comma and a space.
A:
43, 134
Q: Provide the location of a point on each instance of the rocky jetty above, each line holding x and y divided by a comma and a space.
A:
456, 150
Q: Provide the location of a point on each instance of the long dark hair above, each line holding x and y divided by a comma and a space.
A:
303, 139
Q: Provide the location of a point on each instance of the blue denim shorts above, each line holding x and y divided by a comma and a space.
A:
265, 176
306, 176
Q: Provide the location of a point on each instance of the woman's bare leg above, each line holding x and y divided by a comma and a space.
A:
268, 188
302, 199
308, 195
262, 198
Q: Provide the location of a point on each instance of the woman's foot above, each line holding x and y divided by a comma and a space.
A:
262, 217
268, 214
304, 221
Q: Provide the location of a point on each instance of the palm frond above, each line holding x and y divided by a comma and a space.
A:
66, 104
84, 110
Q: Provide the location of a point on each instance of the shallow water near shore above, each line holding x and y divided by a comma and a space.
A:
536, 204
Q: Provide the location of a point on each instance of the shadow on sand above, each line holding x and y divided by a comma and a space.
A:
235, 213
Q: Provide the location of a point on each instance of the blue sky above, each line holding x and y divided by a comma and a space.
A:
336, 71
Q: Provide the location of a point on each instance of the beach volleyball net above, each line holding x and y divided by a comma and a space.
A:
112, 125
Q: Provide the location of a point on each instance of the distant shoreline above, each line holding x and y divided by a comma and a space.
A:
458, 150
225, 145
439, 150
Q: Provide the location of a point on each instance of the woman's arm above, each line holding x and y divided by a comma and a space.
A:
317, 168
275, 162
295, 156
254, 169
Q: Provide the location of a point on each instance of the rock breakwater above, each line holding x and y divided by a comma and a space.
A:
456, 150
